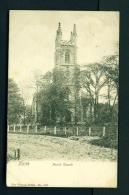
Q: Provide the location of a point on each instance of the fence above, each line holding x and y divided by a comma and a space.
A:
65, 131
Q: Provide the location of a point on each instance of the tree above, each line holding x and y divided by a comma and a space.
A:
111, 68
15, 103
28, 118
52, 98
93, 80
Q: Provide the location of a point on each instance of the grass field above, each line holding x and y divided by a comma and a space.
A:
44, 147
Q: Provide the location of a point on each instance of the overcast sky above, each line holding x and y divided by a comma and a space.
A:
32, 41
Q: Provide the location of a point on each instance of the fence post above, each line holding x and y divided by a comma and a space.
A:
36, 129
89, 131
8, 128
45, 129
65, 130
14, 128
77, 131
104, 131
17, 154
28, 128
20, 128
55, 130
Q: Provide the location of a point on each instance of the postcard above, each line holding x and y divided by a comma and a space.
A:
63, 86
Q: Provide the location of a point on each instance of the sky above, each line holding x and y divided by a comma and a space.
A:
32, 41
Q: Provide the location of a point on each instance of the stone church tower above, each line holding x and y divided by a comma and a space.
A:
66, 61
65, 51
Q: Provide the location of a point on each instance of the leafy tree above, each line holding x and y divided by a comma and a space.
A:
52, 98
28, 117
15, 103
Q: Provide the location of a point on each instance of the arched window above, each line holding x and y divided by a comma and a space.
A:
67, 57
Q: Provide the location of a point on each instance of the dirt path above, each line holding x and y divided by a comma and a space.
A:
39, 147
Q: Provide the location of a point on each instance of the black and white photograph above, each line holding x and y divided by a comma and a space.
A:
63, 84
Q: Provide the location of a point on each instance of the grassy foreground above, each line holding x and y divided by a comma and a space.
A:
44, 147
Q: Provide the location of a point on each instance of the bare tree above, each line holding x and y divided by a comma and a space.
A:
111, 70
93, 80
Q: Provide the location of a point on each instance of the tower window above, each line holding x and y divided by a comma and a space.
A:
67, 57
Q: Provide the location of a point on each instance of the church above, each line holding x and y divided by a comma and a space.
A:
67, 71
66, 62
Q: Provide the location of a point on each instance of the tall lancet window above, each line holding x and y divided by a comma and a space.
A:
67, 57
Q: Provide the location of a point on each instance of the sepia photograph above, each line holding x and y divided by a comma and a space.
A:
63, 89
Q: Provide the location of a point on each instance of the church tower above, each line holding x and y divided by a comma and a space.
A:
66, 61
65, 51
